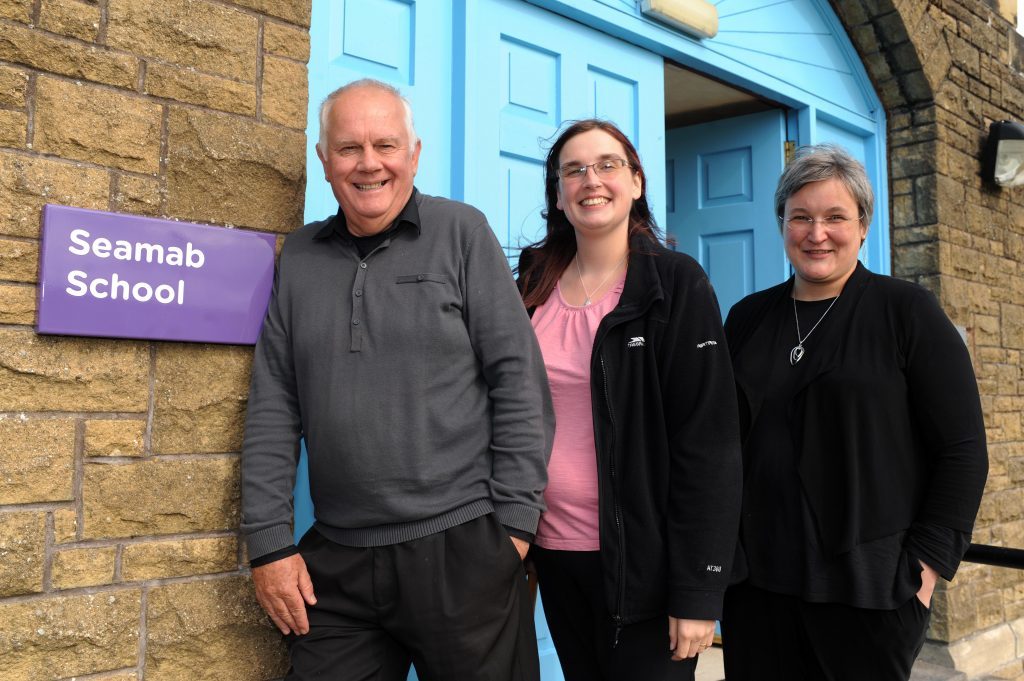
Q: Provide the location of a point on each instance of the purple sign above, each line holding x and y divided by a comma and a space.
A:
123, 276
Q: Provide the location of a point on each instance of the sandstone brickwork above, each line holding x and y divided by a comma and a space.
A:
944, 72
119, 471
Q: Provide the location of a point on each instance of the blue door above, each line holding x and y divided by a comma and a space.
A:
721, 181
527, 72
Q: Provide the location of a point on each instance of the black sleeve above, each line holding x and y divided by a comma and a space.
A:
705, 470
947, 411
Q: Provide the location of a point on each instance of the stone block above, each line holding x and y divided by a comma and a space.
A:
114, 437
13, 85
159, 497
285, 92
986, 329
258, 170
976, 654
211, 629
949, 200
91, 566
188, 85
925, 671
68, 636
962, 298
913, 160
990, 609
903, 210
179, 558
27, 183
73, 18
1013, 326
13, 129
84, 123
294, 11
19, 260
37, 460
926, 199
286, 41
65, 525
205, 35
18, 10
201, 393
17, 304
56, 373
916, 259
138, 196
65, 57
957, 610
22, 551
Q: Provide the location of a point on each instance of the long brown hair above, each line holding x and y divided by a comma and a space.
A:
549, 257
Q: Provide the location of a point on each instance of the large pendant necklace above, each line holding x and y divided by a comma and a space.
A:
586, 300
797, 353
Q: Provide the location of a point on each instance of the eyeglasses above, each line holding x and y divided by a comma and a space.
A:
573, 173
804, 223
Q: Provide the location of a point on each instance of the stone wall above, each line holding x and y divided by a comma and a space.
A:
945, 70
119, 496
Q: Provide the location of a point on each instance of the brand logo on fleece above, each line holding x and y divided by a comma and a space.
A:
703, 345
635, 342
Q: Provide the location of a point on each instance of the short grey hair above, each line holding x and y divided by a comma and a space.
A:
817, 162
325, 106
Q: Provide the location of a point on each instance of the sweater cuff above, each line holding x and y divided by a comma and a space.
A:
696, 605
268, 540
527, 537
280, 554
518, 516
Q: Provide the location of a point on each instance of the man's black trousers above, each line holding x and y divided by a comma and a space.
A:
454, 604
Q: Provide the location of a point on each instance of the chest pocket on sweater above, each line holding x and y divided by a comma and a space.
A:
428, 293
424, 278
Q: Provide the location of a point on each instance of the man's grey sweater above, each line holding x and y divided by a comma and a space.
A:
414, 376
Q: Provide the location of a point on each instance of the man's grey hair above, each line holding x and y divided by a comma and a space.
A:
817, 162
325, 106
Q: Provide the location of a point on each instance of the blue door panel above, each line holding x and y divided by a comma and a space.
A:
724, 176
526, 74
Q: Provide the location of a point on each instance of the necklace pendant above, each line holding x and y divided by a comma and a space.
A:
796, 354
586, 301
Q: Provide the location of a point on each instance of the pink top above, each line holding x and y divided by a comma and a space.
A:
566, 336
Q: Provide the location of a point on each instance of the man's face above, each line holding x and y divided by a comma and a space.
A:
369, 160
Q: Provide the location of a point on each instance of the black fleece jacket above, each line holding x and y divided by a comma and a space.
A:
667, 436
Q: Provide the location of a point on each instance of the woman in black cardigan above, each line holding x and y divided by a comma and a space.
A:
863, 444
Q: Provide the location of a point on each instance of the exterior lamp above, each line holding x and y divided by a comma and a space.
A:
1002, 161
696, 17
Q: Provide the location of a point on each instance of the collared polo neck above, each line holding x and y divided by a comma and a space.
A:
338, 225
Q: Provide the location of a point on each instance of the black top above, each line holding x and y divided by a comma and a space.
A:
847, 453
667, 441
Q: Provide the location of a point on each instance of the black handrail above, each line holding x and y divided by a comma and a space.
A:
995, 555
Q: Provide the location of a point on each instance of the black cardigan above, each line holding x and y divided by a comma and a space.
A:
887, 426
667, 440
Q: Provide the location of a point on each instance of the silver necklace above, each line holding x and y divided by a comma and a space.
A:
797, 353
586, 301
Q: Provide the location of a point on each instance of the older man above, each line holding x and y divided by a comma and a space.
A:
395, 343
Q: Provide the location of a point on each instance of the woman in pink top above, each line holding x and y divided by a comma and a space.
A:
635, 547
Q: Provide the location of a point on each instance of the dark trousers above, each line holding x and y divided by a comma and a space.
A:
454, 604
769, 636
572, 587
